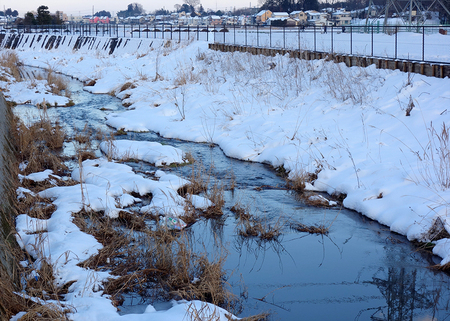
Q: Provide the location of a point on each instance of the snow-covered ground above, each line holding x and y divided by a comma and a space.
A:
347, 125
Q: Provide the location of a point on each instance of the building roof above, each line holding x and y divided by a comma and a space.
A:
261, 12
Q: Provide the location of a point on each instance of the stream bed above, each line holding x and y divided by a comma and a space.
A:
358, 271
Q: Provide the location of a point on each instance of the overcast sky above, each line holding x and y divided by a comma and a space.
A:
84, 7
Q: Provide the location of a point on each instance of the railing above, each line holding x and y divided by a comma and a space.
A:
419, 43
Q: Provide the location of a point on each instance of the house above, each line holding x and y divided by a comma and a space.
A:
300, 16
215, 20
282, 22
99, 20
197, 21
263, 15
317, 18
341, 18
280, 15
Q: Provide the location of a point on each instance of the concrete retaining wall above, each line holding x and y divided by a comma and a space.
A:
69, 43
428, 69
8, 264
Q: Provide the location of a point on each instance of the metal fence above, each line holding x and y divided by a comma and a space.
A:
419, 43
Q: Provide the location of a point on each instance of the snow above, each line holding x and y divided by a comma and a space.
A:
151, 152
348, 125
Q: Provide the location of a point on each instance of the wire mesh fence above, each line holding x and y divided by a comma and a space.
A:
427, 43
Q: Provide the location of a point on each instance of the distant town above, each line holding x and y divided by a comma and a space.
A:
192, 13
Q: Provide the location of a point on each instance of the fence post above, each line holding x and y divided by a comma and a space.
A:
395, 37
171, 31
223, 33
284, 37
351, 40
257, 35
270, 36
124, 30
299, 37
372, 41
315, 37
198, 30
423, 43
234, 34
331, 39
162, 34
245, 34
207, 33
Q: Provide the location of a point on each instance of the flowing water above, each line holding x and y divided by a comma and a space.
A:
358, 271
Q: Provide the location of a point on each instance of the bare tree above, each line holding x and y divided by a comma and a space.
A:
192, 3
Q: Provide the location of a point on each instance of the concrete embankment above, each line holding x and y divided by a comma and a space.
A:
69, 43
429, 69
9, 278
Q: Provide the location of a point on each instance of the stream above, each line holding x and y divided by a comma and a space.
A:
358, 271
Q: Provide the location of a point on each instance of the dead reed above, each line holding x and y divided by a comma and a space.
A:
11, 62
37, 143
252, 226
57, 84
312, 229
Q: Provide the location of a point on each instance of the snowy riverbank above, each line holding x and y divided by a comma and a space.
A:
346, 125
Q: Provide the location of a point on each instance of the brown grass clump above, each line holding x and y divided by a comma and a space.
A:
127, 85
215, 195
57, 83
10, 302
90, 83
11, 62
251, 226
312, 229
49, 311
37, 144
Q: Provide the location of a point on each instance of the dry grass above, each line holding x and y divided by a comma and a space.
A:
312, 229
90, 83
44, 312
127, 85
435, 170
160, 256
252, 226
37, 144
215, 195
57, 84
11, 62
185, 76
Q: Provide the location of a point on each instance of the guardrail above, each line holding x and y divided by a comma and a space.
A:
417, 43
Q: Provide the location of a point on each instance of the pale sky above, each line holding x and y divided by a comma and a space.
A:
84, 7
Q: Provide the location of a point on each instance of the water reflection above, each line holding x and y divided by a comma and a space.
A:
359, 271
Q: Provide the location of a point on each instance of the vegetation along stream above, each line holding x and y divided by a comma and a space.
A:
356, 270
